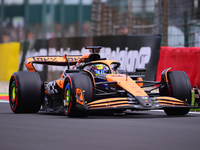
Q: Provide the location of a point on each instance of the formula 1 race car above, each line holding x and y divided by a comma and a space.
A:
94, 84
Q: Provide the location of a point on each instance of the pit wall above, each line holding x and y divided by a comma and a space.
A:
9, 59
185, 59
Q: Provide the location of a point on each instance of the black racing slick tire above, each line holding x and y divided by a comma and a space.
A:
73, 81
180, 88
25, 92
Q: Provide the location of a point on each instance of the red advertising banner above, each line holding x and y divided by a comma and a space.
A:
184, 59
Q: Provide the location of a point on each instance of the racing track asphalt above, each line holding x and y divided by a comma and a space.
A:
145, 130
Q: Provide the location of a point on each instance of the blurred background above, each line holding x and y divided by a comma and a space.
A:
178, 21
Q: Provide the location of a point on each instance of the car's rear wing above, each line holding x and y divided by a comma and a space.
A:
66, 60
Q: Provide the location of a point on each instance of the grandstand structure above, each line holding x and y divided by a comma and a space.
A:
178, 21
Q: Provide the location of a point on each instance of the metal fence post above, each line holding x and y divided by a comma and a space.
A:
1, 21
186, 28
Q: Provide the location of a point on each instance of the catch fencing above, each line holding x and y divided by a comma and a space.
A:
177, 20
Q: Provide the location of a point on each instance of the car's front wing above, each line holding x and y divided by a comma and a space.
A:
133, 104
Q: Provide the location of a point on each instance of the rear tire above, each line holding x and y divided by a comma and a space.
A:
73, 81
25, 92
180, 88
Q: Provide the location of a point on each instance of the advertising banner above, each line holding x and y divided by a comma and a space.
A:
131, 51
9, 59
180, 58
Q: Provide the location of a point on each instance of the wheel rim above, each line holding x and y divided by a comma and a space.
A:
13, 95
68, 95
13, 92
67, 98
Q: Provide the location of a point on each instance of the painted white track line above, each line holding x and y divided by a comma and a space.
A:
191, 112
4, 101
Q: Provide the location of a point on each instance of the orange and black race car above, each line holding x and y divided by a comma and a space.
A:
94, 84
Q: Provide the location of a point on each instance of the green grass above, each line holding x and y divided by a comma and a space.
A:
198, 109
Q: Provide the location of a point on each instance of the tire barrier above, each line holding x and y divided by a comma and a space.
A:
185, 58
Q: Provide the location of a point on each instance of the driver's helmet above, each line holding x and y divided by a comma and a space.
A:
98, 69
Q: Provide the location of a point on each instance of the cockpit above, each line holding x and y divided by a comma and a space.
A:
100, 68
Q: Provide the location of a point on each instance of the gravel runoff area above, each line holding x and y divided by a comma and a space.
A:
4, 87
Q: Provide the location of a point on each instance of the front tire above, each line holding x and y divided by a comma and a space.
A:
179, 87
25, 92
73, 81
